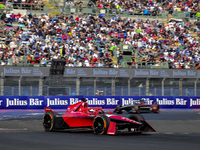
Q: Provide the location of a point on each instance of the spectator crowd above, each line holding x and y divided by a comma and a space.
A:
94, 41
25, 4
149, 7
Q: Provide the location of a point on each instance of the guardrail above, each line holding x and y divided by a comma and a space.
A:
37, 63
150, 65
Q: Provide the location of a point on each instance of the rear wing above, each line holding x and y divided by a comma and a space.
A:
47, 109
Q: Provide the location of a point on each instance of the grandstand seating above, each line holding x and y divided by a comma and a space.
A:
52, 7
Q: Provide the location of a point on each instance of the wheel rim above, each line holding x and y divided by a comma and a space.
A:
98, 125
47, 122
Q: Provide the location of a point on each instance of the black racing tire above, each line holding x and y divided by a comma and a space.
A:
49, 121
101, 124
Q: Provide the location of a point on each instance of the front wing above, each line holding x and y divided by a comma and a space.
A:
120, 124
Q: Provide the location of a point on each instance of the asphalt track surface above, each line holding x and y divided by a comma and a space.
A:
176, 130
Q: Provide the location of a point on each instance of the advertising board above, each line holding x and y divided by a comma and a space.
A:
106, 102
102, 72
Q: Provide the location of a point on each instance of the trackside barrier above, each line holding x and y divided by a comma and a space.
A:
106, 102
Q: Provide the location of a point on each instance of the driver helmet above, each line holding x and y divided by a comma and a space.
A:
142, 100
83, 99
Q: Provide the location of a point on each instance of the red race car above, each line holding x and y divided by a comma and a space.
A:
79, 115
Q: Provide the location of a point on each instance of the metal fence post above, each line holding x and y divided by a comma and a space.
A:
19, 84
122, 91
70, 91
95, 85
163, 87
180, 87
77, 85
186, 91
2, 84
147, 86
13, 91
31, 90
155, 91
40, 86
48, 90
195, 87
171, 91
129, 86
113, 86
139, 91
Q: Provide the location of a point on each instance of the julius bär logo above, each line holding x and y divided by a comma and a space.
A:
165, 101
112, 101
74, 100
56, 101
35, 102
16, 102
95, 101
1, 101
181, 101
130, 101
194, 102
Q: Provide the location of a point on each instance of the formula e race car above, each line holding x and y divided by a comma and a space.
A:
139, 106
79, 115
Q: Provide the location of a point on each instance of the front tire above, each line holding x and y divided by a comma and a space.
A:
101, 124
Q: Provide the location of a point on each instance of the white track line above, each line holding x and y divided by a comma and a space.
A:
169, 133
7, 129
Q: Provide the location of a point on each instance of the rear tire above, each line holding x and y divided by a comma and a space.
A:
157, 109
101, 124
49, 121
